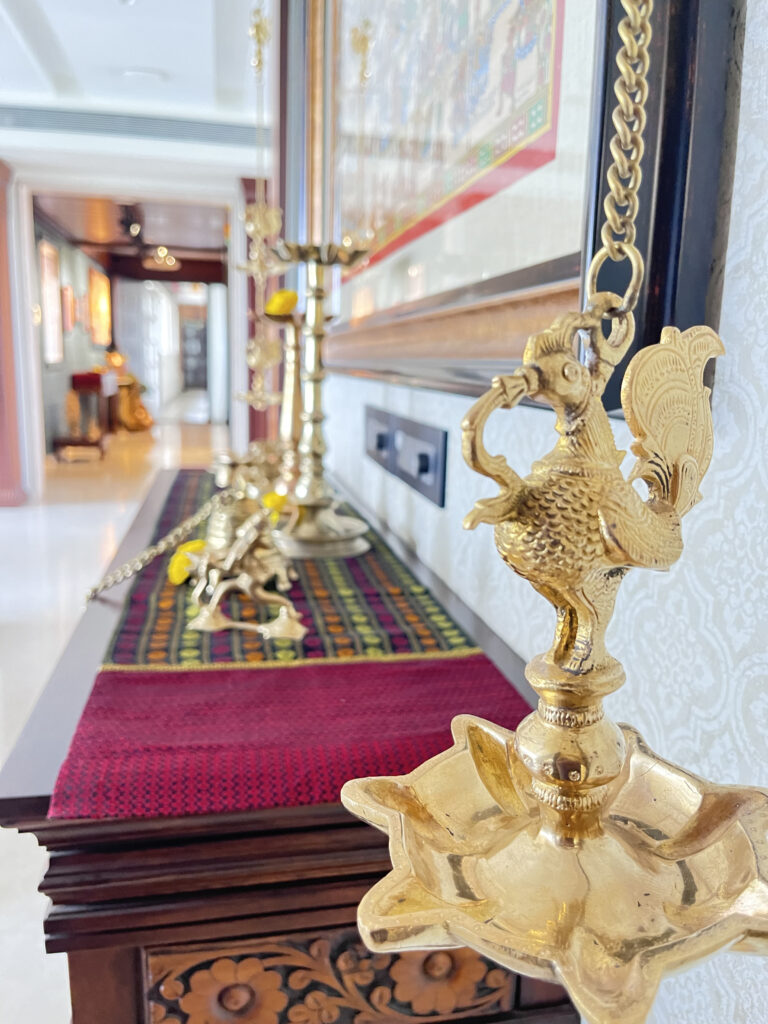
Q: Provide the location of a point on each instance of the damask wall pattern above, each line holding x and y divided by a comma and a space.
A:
694, 641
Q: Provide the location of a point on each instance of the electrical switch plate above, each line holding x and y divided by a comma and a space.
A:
412, 451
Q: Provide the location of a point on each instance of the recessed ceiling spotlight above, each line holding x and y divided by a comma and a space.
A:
154, 74
126, 3
134, 229
161, 259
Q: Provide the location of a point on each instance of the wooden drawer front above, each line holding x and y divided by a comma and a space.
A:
330, 978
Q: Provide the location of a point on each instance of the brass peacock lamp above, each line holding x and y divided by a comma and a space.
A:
568, 850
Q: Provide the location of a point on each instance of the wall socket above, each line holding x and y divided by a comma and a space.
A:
412, 451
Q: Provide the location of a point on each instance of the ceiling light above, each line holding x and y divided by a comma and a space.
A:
161, 259
134, 229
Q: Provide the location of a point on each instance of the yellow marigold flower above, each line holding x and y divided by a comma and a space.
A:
281, 303
180, 566
275, 503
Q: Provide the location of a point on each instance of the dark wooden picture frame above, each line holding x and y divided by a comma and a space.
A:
458, 340
684, 195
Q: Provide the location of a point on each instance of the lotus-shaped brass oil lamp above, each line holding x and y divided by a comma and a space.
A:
568, 850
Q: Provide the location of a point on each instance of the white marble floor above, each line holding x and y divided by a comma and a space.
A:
192, 406
50, 553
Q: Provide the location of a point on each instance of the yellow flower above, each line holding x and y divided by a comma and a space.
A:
281, 303
275, 503
180, 566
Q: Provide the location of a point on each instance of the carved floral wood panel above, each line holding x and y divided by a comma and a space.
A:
326, 979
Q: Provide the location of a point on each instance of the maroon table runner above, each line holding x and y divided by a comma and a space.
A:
156, 743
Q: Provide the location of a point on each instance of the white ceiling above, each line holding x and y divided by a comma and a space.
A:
180, 58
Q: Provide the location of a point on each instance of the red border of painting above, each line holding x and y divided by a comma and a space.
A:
538, 153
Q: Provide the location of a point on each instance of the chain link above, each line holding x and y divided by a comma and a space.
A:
624, 175
228, 496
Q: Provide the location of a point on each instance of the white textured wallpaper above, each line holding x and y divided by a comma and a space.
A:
694, 641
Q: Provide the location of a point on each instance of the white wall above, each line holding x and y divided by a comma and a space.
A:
696, 648
128, 324
693, 641
165, 322
146, 330
218, 348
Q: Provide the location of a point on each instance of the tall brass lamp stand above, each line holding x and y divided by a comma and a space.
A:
319, 531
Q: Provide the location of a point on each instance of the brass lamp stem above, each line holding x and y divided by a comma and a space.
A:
311, 487
319, 531
290, 427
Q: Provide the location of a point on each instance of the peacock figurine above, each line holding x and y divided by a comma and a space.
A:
574, 526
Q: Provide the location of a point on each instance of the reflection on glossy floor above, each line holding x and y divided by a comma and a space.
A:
191, 406
50, 554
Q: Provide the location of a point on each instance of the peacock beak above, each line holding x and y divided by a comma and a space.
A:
523, 382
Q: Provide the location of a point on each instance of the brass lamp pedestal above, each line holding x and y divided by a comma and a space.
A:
319, 531
322, 532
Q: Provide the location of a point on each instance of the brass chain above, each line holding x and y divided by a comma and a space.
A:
624, 175
171, 540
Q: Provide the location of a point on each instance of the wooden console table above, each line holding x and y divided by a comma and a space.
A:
245, 917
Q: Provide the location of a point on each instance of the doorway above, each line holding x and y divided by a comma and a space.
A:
154, 333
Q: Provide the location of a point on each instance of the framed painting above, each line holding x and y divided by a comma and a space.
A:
100, 307
50, 303
471, 144
82, 305
68, 307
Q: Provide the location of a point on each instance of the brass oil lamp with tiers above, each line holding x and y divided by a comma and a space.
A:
568, 850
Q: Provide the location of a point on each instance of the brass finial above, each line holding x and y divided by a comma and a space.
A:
361, 40
260, 32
